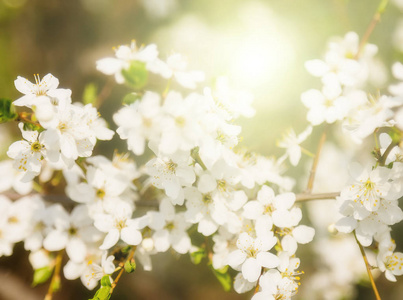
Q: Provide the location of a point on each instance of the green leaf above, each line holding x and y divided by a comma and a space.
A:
198, 255
131, 98
126, 249
223, 277
136, 75
90, 94
106, 281
130, 266
103, 293
41, 275
7, 111
395, 135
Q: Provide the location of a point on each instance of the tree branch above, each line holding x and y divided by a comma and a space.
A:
367, 265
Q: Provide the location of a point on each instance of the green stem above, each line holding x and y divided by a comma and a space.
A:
385, 155
307, 152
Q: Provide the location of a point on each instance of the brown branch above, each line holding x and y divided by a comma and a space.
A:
23, 117
105, 92
129, 258
375, 20
55, 282
321, 196
385, 155
368, 267
316, 161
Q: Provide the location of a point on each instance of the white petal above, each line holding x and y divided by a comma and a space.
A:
73, 270
161, 240
346, 224
268, 260
253, 210
303, 234
251, 269
236, 258
289, 244
317, 67
55, 240
109, 66
76, 250
110, 240
131, 235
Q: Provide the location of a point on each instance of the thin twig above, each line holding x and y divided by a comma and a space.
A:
129, 258
24, 117
385, 154
105, 92
375, 20
257, 285
322, 196
316, 161
55, 282
367, 265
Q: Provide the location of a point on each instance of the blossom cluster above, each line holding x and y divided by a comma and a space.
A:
368, 203
196, 178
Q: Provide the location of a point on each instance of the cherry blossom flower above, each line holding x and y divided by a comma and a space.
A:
119, 226
252, 255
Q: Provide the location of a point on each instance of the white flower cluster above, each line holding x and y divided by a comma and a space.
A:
345, 70
370, 206
194, 179
67, 131
369, 203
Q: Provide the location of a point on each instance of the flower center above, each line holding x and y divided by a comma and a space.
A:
268, 209
13, 220
180, 121
171, 166
100, 193
207, 199
36, 146
120, 223
328, 103
222, 185
147, 122
252, 252
72, 231
221, 137
170, 226
369, 185
62, 127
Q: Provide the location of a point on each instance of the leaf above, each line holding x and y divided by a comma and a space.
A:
223, 277
130, 266
90, 94
7, 111
395, 135
197, 256
136, 75
131, 98
32, 127
126, 249
103, 293
41, 275
106, 281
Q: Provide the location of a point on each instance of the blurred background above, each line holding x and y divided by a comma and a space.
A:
260, 45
